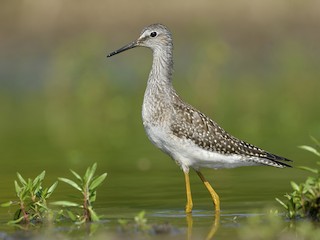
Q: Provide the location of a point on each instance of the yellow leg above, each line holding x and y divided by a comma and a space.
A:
213, 194
215, 226
189, 225
213, 230
188, 190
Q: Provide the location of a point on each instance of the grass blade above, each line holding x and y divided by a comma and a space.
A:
95, 183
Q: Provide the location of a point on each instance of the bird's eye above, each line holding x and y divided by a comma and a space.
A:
153, 34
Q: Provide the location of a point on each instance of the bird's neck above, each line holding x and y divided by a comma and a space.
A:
159, 93
162, 68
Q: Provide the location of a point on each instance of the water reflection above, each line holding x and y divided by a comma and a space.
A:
213, 230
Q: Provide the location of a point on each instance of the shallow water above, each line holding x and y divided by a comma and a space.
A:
244, 193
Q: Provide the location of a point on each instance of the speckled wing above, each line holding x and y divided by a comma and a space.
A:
191, 124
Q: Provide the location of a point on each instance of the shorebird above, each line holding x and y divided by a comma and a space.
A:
192, 139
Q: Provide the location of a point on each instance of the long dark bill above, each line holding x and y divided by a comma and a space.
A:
124, 48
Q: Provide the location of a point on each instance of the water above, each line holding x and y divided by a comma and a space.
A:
160, 192
41, 133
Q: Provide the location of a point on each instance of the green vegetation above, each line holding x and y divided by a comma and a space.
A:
87, 186
32, 204
32, 199
272, 226
304, 201
139, 223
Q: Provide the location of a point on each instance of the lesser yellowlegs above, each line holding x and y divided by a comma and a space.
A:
191, 138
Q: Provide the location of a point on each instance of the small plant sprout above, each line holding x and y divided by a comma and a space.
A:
139, 223
87, 185
32, 204
304, 201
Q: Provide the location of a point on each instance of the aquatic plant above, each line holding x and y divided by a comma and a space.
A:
87, 185
139, 226
304, 201
271, 226
32, 199
32, 196
139, 223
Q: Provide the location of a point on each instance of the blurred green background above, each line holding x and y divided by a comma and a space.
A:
253, 66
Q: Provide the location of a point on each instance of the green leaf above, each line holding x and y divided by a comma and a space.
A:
44, 193
71, 216
94, 216
282, 203
315, 141
71, 183
51, 189
21, 179
295, 186
92, 197
96, 182
38, 190
17, 214
76, 175
313, 170
39, 178
7, 204
86, 175
16, 220
29, 184
17, 187
312, 192
310, 149
140, 217
65, 204
123, 222
43, 206
81, 222
89, 173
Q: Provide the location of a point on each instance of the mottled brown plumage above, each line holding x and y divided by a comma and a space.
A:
208, 135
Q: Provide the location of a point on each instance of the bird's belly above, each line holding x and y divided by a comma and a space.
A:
187, 154
158, 136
